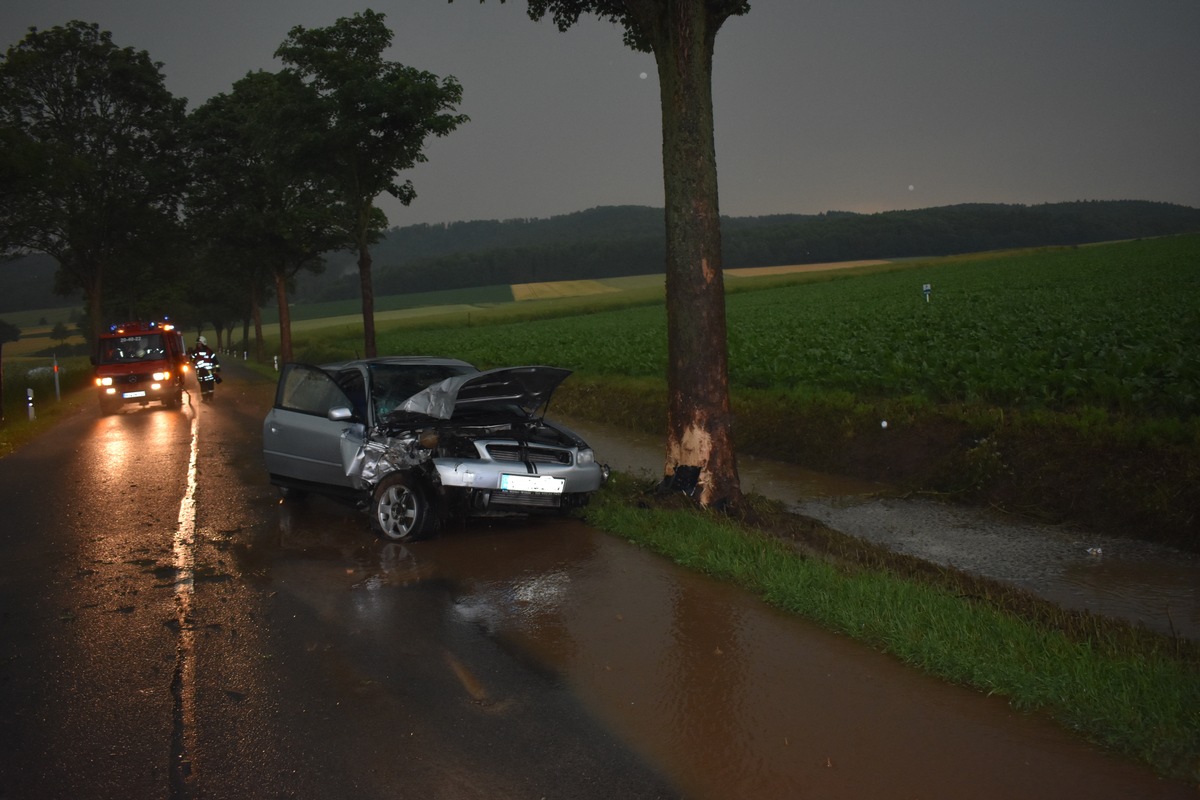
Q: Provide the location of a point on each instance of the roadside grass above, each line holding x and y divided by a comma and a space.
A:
17, 429
1126, 689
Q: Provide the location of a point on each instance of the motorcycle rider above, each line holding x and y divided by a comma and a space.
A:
201, 350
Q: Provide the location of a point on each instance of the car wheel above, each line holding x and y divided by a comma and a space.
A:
401, 510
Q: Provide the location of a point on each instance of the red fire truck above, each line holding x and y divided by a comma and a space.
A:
140, 362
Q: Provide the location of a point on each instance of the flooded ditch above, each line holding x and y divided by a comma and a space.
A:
1151, 585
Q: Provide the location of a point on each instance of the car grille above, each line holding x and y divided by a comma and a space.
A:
535, 455
526, 499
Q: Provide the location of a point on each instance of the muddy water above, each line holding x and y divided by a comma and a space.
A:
733, 699
1150, 585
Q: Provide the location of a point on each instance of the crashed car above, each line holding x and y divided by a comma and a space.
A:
419, 440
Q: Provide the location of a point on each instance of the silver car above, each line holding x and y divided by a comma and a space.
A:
418, 440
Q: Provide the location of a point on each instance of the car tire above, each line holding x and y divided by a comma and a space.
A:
401, 510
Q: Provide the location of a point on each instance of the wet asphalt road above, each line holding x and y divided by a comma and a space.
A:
171, 630
156, 649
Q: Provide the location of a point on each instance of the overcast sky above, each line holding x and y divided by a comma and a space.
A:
852, 105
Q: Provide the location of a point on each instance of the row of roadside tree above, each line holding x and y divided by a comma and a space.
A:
150, 209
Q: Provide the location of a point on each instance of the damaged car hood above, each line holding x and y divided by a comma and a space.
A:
526, 388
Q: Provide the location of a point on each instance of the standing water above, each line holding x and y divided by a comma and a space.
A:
1146, 584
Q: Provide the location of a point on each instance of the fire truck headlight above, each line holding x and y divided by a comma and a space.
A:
104, 381
161, 376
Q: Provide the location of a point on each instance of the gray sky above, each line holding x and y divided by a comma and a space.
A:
851, 105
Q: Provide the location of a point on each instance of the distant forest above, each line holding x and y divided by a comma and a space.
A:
614, 241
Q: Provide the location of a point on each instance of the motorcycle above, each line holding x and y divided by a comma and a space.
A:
206, 368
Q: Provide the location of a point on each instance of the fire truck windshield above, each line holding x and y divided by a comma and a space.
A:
126, 349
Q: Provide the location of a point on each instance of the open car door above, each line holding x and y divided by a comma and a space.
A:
312, 430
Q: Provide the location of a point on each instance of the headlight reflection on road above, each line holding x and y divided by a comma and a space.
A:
184, 681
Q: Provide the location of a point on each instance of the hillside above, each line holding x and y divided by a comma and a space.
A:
616, 241
629, 240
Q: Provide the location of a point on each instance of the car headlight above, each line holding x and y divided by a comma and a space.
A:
586, 456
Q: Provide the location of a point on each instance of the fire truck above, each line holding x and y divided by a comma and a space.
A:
142, 363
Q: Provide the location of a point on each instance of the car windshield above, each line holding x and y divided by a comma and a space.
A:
125, 349
392, 384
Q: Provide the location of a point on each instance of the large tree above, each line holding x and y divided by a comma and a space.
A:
378, 114
90, 156
256, 193
681, 35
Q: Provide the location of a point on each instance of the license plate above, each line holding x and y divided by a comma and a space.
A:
134, 394
542, 484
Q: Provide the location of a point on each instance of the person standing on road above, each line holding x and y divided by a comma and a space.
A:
201, 350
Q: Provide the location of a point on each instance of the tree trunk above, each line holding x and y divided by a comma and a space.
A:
285, 317
95, 302
368, 299
699, 420
256, 313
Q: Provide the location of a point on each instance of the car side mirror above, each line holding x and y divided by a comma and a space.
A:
340, 414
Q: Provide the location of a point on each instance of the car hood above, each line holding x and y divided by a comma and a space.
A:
507, 389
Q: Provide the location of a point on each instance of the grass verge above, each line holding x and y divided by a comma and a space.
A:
1127, 689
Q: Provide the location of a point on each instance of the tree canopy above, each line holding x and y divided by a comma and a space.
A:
374, 116
92, 167
258, 204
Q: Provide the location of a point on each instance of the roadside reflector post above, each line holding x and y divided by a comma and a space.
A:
57, 391
29, 403
276, 363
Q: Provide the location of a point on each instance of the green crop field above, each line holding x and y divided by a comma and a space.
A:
1114, 326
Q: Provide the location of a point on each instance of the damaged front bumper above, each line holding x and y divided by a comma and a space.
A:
480, 474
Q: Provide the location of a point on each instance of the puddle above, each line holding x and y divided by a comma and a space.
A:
1146, 584
734, 699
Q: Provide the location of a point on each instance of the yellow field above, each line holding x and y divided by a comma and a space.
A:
543, 291
755, 272
32, 344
